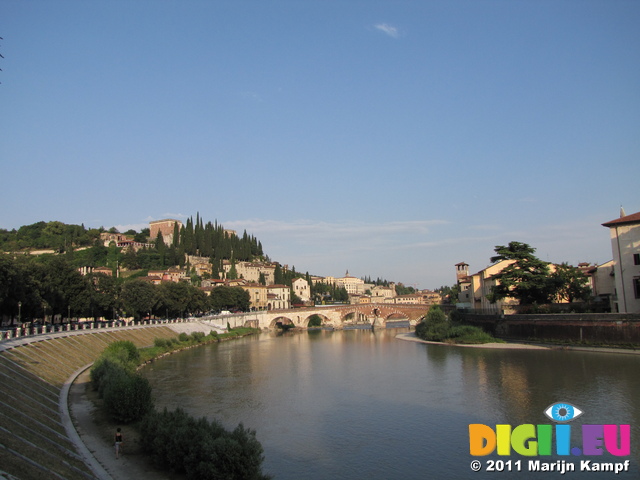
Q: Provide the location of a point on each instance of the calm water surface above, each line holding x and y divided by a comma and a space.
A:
361, 404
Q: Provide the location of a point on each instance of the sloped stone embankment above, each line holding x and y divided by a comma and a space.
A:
34, 443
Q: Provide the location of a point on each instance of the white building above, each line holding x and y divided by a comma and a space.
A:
301, 289
353, 285
625, 244
278, 297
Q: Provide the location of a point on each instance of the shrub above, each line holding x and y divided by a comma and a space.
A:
161, 342
127, 397
200, 448
435, 315
124, 350
435, 328
197, 337
456, 316
183, 337
101, 370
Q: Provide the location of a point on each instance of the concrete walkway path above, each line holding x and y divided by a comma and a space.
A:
97, 441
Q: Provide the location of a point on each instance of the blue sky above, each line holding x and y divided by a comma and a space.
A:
390, 138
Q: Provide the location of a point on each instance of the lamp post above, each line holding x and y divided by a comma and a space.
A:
69, 314
19, 311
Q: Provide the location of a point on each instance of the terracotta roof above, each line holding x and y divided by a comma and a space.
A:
633, 218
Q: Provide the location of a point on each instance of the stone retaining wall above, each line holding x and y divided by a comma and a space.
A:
596, 328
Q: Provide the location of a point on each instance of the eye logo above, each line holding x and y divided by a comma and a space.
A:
562, 412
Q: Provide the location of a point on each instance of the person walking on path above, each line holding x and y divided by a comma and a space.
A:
118, 442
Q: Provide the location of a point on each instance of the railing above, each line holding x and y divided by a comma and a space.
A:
21, 331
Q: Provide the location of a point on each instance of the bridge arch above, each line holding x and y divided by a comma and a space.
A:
353, 316
324, 319
281, 320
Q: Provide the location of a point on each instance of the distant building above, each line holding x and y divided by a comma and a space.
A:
625, 244
251, 271
302, 289
353, 285
603, 285
475, 288
431, 298
409, 299
278, 297
95, 270
165, 227
117, 238
380, 292
258, 295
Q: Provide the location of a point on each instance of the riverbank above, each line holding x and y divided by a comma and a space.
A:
411, 337
97, 433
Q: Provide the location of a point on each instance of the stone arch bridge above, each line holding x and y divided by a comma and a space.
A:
336, 316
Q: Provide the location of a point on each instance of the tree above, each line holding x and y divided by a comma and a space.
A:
526, 279
571, 283
433, 326
138, 298
143, 236
104, 296
278, 276
161, 247
63, 288
230, 298
18, 285
232, 274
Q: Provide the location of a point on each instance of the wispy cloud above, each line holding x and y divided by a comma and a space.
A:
251, 96
335, 231
388, 29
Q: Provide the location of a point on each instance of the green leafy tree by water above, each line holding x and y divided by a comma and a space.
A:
571, 283
527, 279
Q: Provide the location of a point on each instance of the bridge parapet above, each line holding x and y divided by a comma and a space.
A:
334, 315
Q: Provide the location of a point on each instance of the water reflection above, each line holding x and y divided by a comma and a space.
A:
360, 403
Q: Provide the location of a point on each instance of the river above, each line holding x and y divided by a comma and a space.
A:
358, 404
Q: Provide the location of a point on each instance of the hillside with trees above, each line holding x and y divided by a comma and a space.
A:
84, 248
51, 286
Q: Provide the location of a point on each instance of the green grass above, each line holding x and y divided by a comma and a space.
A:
162, 346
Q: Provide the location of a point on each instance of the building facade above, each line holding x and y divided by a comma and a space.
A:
302, 289
251, 271
278, 297
474, 288
353, 285
165, 227
625, 245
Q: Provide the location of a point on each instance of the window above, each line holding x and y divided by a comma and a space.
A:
636, 258
636, 286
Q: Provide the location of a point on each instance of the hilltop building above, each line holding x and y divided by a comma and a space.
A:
165, 227
251, 271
